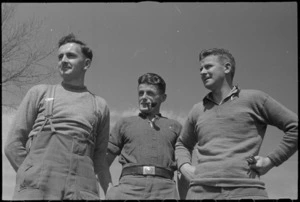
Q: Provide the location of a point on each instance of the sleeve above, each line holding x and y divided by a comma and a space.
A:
179, 128
278, 115
15, 147
115, 143
101, 140
186, 141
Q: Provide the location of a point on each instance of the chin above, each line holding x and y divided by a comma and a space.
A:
208, 85
144, 110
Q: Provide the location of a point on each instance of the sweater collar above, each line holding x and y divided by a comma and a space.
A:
144, 116
73, 88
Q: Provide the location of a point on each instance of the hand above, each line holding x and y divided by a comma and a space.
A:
188, 171
261, 166
110, 185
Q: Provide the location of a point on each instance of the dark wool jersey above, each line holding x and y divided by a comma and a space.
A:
138, 143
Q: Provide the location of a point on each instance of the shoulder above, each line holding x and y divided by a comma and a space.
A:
253, 95
101, 101
176, 125
197, 109
172, 121
36, 94
195, 112
38, 91
101, 104
38, 88
197, 106
252, 92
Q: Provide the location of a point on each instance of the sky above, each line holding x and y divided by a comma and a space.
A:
130, 39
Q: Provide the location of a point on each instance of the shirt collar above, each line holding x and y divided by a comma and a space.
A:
234, 92
144, 116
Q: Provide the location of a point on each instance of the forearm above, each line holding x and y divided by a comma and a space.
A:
188, 171
183, 154
20, 128
104, 175
15, 153
287, 121
104, 178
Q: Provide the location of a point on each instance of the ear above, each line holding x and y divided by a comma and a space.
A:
164, 97
227, 67
87, 64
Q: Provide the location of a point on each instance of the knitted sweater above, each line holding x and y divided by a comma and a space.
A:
138, 143
226, 134
73, 115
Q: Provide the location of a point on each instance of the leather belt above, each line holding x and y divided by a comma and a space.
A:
147, 170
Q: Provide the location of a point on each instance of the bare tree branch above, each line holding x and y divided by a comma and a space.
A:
22, 53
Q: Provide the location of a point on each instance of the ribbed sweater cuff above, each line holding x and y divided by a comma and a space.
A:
183, 161
275, 159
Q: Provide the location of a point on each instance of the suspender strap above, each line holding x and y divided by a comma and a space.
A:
49, 100
95, 108
48, 113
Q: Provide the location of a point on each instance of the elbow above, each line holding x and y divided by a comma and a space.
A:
7, 151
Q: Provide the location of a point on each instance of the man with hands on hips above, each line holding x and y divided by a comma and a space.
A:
228, 127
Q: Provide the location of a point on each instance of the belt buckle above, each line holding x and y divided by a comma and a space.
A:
148, 170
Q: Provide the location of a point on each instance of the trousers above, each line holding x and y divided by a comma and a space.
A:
143, 187
209, 192
57, 167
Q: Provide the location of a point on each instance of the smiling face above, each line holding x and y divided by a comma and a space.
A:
150, 98
72, 64
213, 72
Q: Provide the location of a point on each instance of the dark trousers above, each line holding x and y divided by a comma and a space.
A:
57, 167
143, 187
209, 192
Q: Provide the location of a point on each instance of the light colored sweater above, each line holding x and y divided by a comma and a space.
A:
73, 114
225, 135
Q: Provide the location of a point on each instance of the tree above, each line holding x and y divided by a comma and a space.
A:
22, 54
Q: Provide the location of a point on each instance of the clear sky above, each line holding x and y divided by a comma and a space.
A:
130, 39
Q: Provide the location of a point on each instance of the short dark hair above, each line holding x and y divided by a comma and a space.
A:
222, 53
153, 79
70, 38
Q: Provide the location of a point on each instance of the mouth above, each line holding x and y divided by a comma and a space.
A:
65, 67
205, 79
146, 104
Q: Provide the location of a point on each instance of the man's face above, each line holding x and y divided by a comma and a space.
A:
71, 61
150, 98
212, 72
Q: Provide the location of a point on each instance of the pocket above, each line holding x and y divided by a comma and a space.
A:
29, 177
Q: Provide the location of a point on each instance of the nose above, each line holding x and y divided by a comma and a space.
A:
143, 96
64, 59
203, 71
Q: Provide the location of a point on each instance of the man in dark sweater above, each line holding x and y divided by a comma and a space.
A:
228, 128
145, 144
58, 140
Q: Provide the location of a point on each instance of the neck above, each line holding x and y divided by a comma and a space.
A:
76, 83
151, 115
220, 94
